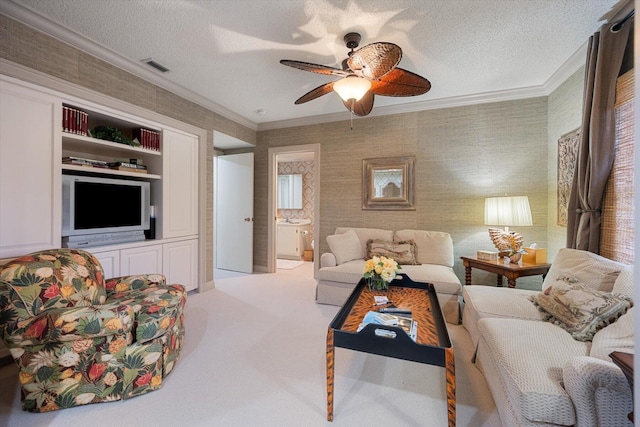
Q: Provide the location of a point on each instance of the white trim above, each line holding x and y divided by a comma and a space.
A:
68, 36
458, 101
570, 66
67, 91
75, 39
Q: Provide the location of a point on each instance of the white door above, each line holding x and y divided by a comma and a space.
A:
180, 184
30, 188
234, 212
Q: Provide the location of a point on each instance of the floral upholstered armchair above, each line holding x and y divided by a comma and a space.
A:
79, 339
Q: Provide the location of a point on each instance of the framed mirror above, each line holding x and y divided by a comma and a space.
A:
290, 191
387, 183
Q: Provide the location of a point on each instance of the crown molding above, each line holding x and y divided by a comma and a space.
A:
68, 36
412, 107
561, 75
566, 70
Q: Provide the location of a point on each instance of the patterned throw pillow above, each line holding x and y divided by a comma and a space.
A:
579, 309
404, 252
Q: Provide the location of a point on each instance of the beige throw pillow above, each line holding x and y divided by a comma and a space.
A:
345, 246
592, 270
404, 252
579, 309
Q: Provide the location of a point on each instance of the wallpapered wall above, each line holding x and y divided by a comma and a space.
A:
463, 155
308, 187
565, 115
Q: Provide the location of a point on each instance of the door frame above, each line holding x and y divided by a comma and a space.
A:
271, 196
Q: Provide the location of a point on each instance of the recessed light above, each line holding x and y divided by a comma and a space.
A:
261, 111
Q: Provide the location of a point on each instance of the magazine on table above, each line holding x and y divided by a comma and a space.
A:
402, 321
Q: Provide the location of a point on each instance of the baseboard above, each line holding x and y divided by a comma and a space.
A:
207, 286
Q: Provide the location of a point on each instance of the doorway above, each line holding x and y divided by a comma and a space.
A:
292, 227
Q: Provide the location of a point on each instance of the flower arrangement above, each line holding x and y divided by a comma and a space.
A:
379, 271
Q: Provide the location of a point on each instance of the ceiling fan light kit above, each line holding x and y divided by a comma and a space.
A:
352, 88
369, 71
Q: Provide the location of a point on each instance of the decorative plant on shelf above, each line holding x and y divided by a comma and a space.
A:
112, 134
379, 272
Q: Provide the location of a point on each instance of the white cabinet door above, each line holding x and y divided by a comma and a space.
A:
179, 215
110, 261
142, 260
180, 263
30, 159
288, 241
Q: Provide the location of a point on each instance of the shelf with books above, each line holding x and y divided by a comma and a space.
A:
83, 143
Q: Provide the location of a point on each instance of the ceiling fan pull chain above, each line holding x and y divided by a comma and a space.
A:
351, 110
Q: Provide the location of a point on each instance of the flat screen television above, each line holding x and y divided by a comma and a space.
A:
93, 205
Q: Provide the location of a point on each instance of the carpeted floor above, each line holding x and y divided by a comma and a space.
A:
288, 264
255, 356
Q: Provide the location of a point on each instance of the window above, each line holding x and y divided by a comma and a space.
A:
617, 239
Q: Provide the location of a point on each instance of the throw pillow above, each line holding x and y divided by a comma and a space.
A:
345, 246
404, 252
590, 269
579, 309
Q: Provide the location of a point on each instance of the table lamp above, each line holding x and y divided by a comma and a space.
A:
507, 212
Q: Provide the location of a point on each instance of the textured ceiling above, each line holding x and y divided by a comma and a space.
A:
227, 52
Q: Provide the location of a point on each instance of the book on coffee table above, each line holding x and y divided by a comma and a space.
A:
404, 322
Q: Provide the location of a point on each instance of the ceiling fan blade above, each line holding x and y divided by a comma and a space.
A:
399, 82
363, 107
315, 93
315, 68
375, 60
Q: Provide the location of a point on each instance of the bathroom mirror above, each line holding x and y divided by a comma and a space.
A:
290, 191
387, 183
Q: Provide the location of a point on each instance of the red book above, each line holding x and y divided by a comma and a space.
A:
72, 120
65, 119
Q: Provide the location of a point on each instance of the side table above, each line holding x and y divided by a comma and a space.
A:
511, 271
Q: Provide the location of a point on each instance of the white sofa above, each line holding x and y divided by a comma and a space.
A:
538, 374
341, 269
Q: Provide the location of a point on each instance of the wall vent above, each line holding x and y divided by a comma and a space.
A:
150, 62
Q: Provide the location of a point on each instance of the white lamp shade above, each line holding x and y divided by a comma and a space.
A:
352, 87
507, 211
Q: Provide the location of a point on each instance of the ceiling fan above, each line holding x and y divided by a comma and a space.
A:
369, 71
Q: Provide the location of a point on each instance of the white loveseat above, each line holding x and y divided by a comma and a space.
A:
341, 269
538, 374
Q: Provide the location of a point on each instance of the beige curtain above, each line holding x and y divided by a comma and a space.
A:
596, 148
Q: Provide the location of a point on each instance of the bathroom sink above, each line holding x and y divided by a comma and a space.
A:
295, 222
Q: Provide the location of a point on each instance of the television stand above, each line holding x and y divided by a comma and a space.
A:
101, 239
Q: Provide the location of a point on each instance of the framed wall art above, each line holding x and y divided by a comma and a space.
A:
567, 158
388, 183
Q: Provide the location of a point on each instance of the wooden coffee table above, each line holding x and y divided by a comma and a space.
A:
432, 345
